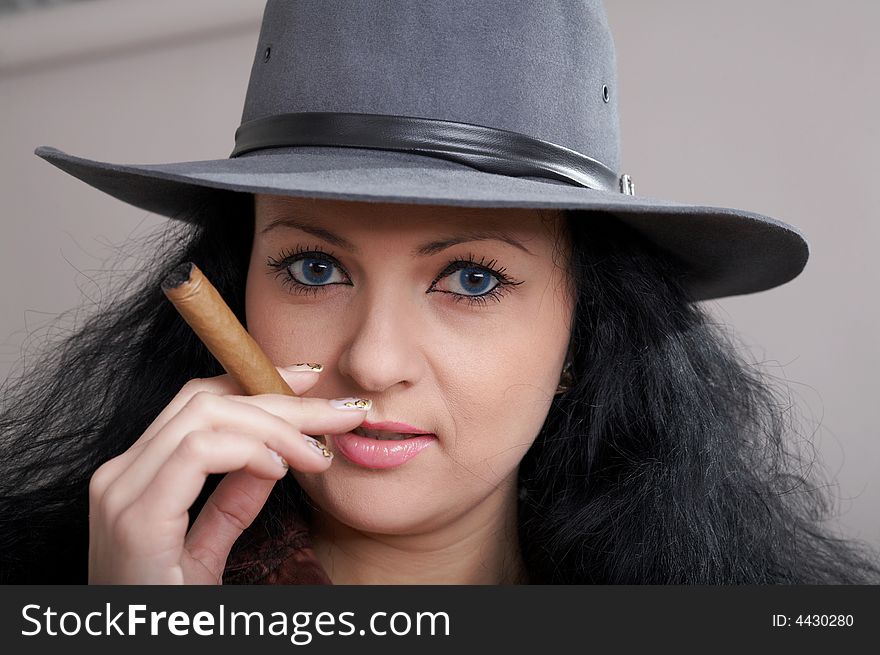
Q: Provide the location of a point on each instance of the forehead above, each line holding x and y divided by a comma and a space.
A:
402, 217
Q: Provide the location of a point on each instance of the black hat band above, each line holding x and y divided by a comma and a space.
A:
484, 148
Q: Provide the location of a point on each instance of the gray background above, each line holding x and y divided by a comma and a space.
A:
767, 105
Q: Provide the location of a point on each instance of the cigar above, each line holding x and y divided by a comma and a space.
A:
202, 307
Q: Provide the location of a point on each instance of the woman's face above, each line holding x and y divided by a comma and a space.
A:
455, 320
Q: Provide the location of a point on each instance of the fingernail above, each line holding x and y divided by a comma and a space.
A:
305, 367
362, 404
318, 447
278, 458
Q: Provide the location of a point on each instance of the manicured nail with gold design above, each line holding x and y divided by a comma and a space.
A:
305, 367
318, 447
352, 403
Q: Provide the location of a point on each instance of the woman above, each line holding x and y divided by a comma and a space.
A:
417, 335
589, 423
665, 461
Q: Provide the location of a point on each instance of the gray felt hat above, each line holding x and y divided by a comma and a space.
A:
496, 103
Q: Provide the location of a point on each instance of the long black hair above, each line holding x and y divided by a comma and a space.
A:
669, 460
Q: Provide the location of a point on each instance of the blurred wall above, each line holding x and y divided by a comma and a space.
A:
767, 105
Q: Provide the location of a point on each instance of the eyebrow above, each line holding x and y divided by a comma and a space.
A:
424, 250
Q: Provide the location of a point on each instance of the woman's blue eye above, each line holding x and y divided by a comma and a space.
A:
312, 271
471, 281
307, 272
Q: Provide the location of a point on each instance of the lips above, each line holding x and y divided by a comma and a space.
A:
381, 454
385, 444
383, 435
393, 427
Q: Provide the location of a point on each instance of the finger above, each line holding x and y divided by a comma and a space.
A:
299, 382
159, 517
309, 415
230, 509
210, 412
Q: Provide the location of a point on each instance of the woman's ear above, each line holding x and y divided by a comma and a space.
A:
566, 378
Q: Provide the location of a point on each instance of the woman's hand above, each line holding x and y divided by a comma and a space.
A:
138, 501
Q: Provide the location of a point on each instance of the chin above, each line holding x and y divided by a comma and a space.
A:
376, 506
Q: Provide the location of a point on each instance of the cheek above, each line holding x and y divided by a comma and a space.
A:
499, 393
259, 308
280, 327
498, 405
265, 318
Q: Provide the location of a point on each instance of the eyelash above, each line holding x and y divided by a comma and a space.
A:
288, 257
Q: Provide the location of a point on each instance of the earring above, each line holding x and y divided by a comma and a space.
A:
565, 379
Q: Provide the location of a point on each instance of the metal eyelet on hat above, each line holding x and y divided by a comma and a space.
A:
267, 53
605, 94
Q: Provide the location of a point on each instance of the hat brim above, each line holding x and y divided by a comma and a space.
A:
729, 251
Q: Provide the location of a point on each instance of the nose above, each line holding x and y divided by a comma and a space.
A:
381, 350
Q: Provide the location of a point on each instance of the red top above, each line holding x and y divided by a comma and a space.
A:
286, 560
